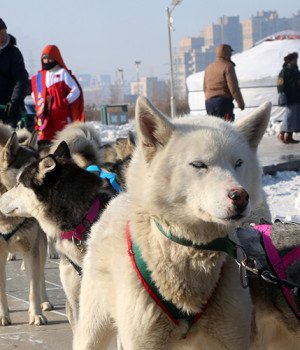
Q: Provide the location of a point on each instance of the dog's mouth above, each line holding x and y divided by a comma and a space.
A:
9, 212
236, 217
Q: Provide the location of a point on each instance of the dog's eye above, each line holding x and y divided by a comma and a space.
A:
238, 163
198, 165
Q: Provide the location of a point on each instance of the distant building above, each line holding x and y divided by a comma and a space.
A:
231, 32
266, 23
196, 53
212, 35
149, 87
96, 89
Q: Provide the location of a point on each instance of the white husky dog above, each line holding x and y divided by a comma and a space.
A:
159, 269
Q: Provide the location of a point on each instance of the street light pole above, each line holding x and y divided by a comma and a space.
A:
169, 24
138, 76
122, 84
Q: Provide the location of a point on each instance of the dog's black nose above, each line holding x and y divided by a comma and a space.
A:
240, 198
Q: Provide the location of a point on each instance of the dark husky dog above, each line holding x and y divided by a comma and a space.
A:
276, 257
86, 150
69, 199
19, 235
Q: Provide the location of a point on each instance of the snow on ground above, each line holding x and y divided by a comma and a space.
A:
282, 189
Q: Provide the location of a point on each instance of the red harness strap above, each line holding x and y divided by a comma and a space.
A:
80, 229
170, 309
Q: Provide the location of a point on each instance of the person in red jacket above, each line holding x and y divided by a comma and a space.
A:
57, 94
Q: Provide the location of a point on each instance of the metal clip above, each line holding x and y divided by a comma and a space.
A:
78, 244
243, 272
268, 277
251, 264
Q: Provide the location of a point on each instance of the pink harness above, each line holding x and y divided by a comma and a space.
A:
80, 229
279, 264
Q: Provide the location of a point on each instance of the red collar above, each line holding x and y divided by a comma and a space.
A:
80, 229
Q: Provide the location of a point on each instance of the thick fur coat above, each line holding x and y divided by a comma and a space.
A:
181, 176
199, 181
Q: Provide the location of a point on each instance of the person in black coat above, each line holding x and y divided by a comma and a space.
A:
13, 78
289, 84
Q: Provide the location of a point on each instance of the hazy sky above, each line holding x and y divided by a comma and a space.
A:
100, 36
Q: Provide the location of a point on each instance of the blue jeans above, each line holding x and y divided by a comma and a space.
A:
220, 107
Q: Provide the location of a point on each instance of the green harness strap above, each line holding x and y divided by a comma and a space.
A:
172, 310
224, 244
145, 275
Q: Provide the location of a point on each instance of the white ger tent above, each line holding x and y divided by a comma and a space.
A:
257, 69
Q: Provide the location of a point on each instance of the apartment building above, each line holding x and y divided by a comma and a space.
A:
196, 53
266, 23
148, 86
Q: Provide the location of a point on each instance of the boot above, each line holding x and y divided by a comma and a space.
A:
289, 138
280, 136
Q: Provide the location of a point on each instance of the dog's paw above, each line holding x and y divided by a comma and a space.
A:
37, 320
11, 257
47, 306
53, 255
51, 250
5, 320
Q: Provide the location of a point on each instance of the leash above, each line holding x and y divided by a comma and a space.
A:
250, 264
110, 176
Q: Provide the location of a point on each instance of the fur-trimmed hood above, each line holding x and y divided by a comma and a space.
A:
12, 41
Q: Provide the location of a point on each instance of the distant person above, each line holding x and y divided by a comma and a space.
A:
57, 94
221, 85
289, 83
13, 78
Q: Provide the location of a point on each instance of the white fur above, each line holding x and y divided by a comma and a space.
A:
193, 203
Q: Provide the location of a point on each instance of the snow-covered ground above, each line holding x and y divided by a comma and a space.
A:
282, 189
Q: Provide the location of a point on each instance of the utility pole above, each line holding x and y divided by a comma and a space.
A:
169, 24
138, 76
122, 84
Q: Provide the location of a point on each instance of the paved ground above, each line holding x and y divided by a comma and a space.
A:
20, 335
275, 156
57, 334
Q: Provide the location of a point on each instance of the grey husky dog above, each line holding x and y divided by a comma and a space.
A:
187, 184
274, 280
18, 234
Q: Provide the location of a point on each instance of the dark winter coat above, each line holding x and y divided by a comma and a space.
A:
13, 75
289, 83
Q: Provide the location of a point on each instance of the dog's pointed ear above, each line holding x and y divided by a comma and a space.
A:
32, 140
45, 166
254, 125
153, 128
131, 138
62, 151
11, 147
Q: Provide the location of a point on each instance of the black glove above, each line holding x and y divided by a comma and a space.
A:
13, 109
